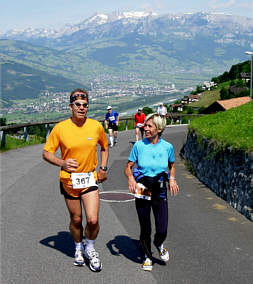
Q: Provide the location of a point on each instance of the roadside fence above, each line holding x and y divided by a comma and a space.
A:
23, 128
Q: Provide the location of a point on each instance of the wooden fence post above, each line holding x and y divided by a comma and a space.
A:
26, 134
47, 130
2, 135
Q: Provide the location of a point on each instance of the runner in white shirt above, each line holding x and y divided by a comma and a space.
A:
162, 110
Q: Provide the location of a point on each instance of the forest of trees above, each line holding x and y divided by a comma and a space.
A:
237, 87
234, 72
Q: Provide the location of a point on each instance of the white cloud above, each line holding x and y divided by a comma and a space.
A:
247, 5
217, 4
158, 5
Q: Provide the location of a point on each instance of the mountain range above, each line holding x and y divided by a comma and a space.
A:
180, 48
104, 26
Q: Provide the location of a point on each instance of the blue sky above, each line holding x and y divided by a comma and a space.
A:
20, 14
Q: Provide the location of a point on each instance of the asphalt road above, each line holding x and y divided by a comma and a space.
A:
208, 241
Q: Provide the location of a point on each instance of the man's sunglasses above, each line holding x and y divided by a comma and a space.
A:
80, 104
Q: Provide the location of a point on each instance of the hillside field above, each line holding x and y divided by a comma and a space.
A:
233, 127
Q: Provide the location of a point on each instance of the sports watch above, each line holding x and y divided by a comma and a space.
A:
103, 168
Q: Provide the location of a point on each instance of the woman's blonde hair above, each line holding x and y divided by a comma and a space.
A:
160, 122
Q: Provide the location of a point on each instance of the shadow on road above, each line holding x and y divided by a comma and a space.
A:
123, 245
129, 248
62, 242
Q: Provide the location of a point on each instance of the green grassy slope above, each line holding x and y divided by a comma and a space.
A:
207, 98
22, 82
233, 127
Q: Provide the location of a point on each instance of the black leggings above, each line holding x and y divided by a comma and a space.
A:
160, 210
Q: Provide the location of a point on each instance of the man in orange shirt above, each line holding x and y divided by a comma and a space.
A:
78, 138
139, 119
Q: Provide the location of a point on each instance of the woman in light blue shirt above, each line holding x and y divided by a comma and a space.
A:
153, 157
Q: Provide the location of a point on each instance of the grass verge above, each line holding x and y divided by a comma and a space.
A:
14, 143
233, 127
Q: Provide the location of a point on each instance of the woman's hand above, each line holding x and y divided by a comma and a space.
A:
173, 187
132, 185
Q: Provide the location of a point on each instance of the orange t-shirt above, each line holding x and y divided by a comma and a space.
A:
78, 143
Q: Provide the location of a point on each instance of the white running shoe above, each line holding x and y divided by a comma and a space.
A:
147, 264
79, 259
93, 257
164, 254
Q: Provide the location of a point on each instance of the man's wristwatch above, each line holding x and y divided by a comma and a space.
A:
103, 168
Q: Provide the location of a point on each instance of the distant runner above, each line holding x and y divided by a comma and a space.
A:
111, 123
139, 119
162, 110
78, 137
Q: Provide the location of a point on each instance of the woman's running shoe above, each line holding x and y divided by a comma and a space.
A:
93, 258
147, 264
164, 254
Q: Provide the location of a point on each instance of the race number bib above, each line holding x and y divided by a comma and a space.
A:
140, 124
83, 180
112, 118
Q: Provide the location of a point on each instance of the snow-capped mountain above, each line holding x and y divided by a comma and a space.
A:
141, 22
92, 22
134, 43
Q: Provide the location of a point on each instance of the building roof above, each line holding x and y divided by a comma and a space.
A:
245, 75
176, 105
235, 102
236, 90
194, 97
226, 104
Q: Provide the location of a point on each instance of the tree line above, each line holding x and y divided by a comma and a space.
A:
237, 86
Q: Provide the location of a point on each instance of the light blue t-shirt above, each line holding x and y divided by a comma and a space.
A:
152, 159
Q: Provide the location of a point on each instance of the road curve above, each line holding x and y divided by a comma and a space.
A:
208, 241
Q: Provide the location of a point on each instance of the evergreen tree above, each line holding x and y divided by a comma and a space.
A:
147, 110
2, 121
224, 95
